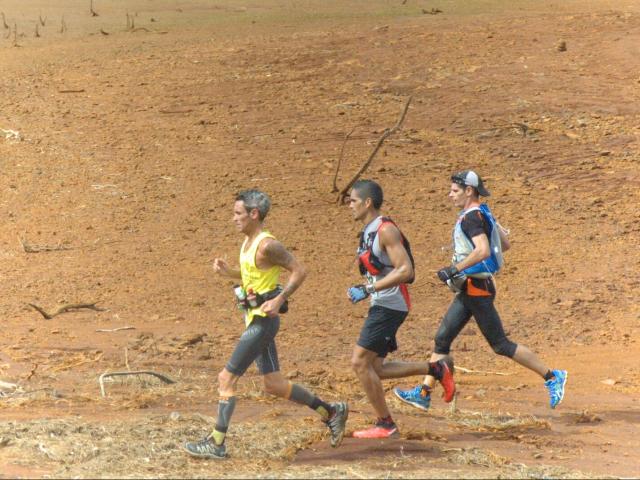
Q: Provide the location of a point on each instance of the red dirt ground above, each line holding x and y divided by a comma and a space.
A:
133, 144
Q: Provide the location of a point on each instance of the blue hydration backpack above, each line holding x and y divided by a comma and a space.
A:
494, 262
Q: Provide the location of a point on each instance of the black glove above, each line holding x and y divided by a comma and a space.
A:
447, 273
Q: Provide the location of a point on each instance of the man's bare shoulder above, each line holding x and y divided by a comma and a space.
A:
390, 233
275, 252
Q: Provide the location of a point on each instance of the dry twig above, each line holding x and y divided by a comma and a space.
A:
169, 111
335, 177
65, 308
387, 132
126, 359
109, 330
15, 35
8, 385
78, 363
41, 248
162, 377
468, 370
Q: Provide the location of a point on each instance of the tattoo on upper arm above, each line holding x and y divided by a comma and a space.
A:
278, 254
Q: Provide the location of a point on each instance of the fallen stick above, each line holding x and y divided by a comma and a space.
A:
188, 110
387, 132
32, 372
468, 370
77, 364
335, 177
453, 406
162, 377
79, 90
15, 35
65, 308
41, 248
27, 393
109, 330
7, 385
126, 359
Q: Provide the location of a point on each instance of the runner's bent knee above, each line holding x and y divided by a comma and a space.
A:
225, 382
444, 339
360, 360
504, 347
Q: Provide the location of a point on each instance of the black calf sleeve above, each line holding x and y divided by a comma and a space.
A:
305, 397
505, 347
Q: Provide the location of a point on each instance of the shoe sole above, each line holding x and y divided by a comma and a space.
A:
408, 402
357, 434
337, 442
564, 382
204, 455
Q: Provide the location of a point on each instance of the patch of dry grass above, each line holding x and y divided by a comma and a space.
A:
151, 447
496, 463
500, 422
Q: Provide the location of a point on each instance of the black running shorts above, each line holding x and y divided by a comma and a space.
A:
258, 344
378, 333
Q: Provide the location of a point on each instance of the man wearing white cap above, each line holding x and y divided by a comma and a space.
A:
478, 243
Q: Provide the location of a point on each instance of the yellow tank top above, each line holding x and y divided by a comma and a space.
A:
254, 278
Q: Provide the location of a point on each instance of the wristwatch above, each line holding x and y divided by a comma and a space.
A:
369, 288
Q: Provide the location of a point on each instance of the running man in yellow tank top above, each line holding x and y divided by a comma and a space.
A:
262, 258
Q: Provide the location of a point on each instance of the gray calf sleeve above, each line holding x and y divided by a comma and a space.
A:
225, 410
301, 395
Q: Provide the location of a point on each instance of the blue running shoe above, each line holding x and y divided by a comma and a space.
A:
414, 397
556, 387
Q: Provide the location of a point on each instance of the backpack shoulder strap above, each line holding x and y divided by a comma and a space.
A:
472, 209
384, 221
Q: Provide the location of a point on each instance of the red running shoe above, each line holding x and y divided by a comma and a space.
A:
446, 380
379, 430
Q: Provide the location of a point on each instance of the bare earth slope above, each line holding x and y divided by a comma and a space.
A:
133, 141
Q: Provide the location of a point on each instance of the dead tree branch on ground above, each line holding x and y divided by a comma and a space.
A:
41, 248
109, 330
65, 308
335, 177
162, 377
387, 132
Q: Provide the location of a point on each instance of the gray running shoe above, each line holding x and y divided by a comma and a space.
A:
206, 448
338, 422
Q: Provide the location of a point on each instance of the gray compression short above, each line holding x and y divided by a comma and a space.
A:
258, 344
